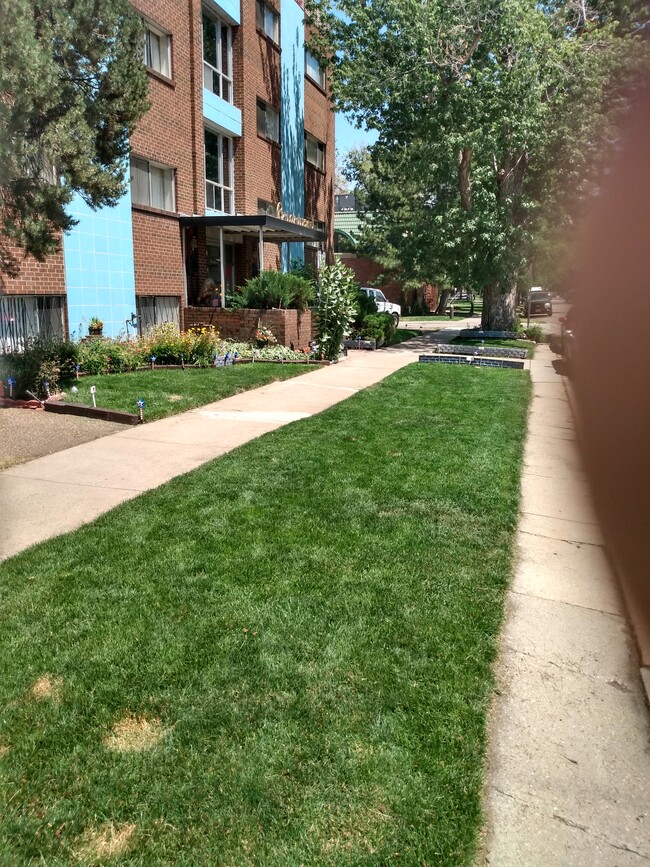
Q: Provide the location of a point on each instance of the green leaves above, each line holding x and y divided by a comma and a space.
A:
336, 308
491, 115
68, 131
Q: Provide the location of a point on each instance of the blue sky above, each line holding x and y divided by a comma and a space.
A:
347, 136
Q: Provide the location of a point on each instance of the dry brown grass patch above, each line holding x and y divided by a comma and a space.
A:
174, 397
134, 734
4, 749
107, 841
47, 687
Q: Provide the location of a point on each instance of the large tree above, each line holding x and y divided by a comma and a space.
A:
72, 87
491, 114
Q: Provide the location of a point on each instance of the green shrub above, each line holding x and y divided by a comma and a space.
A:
336, 308
41, 361
366, 307
110, 356
533, 332
275, 289
378, 326
199, 345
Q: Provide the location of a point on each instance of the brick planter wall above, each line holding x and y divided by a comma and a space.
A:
290, 327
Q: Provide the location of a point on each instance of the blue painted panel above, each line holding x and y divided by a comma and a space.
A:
228, 9
292, 36
99, 270
223, 115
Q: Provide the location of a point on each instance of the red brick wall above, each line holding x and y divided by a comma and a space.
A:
36, 278
256, 71
367, 271
170, 133
289, 327
157, 254
319, 189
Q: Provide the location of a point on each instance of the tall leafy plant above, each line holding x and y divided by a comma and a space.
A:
336, 308
275, 289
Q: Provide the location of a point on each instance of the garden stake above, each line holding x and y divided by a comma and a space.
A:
153, 362
182, 362
46, 386
77, 368
93, 389
140, 403
11, 382
214, 359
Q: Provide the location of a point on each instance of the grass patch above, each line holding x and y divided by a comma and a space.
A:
462, 310
402, 334
308, 626
167, 392
528, 345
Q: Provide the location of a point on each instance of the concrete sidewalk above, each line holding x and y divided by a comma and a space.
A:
59, 492
569, 768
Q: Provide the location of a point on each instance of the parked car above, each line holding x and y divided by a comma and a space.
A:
383, 304
539, 302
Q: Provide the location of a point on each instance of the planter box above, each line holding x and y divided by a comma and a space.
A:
290, 327
362, 343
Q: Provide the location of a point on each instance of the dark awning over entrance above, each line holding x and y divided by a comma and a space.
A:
273, 228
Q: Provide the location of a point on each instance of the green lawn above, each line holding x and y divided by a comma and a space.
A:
402, 334
167, 392
528, 345
281, 658
461, 311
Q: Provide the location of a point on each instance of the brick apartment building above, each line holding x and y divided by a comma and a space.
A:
231, 172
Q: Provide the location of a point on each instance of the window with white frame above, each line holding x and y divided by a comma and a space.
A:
152, 184
217, 57
219, 188
314, 70
157, 50
268, 21
314, 152
268, 121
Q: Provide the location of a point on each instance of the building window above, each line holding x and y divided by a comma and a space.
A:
26, 318
217, 57
156, 310
268, 21
314, 152
157, 50
267, 208
268, 121
152, 184
219, 190
314, 70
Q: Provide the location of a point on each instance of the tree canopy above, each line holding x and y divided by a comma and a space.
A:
492, 115
72, 87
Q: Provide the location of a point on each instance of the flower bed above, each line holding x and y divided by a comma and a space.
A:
44, 364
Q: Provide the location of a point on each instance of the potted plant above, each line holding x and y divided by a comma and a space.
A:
264, 336
95, 327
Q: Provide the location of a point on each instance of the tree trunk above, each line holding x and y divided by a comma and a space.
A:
499, 308
442, 302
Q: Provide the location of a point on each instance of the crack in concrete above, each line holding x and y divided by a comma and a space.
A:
569, 604
621, 847
577, 543
564, 520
